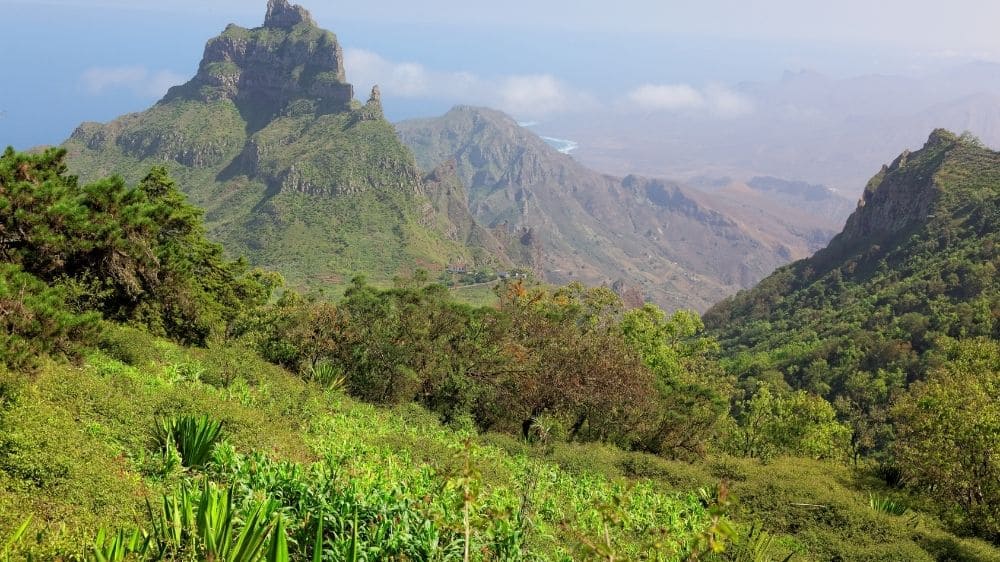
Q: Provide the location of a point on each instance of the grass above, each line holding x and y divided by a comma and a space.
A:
475, 295
78, 454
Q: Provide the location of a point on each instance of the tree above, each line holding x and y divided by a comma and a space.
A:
35, 320
689, 383
948, 433
132, 254
797, 424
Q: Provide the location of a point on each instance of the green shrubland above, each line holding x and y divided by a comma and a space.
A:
158, 401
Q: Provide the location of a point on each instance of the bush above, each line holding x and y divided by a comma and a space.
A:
35, 320
129, 345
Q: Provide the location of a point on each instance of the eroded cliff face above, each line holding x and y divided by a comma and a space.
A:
900, 198
265, 69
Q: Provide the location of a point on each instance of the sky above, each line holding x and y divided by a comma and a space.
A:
69, 61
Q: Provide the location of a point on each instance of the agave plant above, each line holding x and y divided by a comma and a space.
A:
116, 547
200, 525
327, 376
192, 437
755, 546
885, 504
205, 524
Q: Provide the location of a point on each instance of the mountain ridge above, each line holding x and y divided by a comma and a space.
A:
672, 241
914, 268
291, 170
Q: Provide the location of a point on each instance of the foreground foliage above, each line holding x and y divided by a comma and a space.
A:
572, 427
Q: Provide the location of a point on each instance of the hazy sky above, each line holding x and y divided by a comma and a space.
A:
67, 61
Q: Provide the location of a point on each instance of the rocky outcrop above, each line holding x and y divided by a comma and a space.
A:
898, 199
282, 15
265, 69
290, 170
372, 111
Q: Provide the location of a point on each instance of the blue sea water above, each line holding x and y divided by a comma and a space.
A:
562, 145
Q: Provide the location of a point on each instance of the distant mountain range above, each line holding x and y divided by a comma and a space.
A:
297, 175
805, 126
682, 247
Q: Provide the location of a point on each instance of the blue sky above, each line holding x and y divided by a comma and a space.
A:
69, 61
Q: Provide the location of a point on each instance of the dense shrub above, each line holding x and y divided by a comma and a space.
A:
129, 253
35, 320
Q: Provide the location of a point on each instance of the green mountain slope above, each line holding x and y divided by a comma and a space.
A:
676, 245
915, 266
291, 171
156, 400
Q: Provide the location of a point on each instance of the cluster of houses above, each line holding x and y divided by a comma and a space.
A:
462, 269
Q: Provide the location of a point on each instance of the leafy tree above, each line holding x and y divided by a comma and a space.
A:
948, 433
798, 424
690, 384
132, 254
35, 319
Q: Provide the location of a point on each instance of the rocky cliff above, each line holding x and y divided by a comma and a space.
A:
266, 69
897, 201
291, 170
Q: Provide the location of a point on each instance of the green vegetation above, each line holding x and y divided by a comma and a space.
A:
306, 182
192, 438
554, 425
896, 323
246, 460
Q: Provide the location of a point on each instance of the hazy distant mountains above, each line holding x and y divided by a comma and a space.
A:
805, 126
682, 247
296, 174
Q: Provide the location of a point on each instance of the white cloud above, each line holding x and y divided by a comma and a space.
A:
540, 94
526, 96
137, 79
671, 97
727, 103
714, 99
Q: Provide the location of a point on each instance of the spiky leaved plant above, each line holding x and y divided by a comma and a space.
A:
13, 540
887, 505
200, 525
193, 437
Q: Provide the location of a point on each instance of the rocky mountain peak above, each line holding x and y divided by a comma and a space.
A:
941, 137
898, 200
264, 70
283, 15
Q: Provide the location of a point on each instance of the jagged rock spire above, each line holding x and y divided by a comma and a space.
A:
260, 69
282, 14
373, 109
375, 100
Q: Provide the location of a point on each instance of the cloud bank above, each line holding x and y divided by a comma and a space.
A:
526, 96
714, 99
139, 80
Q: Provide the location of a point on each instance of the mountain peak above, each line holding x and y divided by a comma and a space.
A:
283, 15
266, 69
940, 180
941, 137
